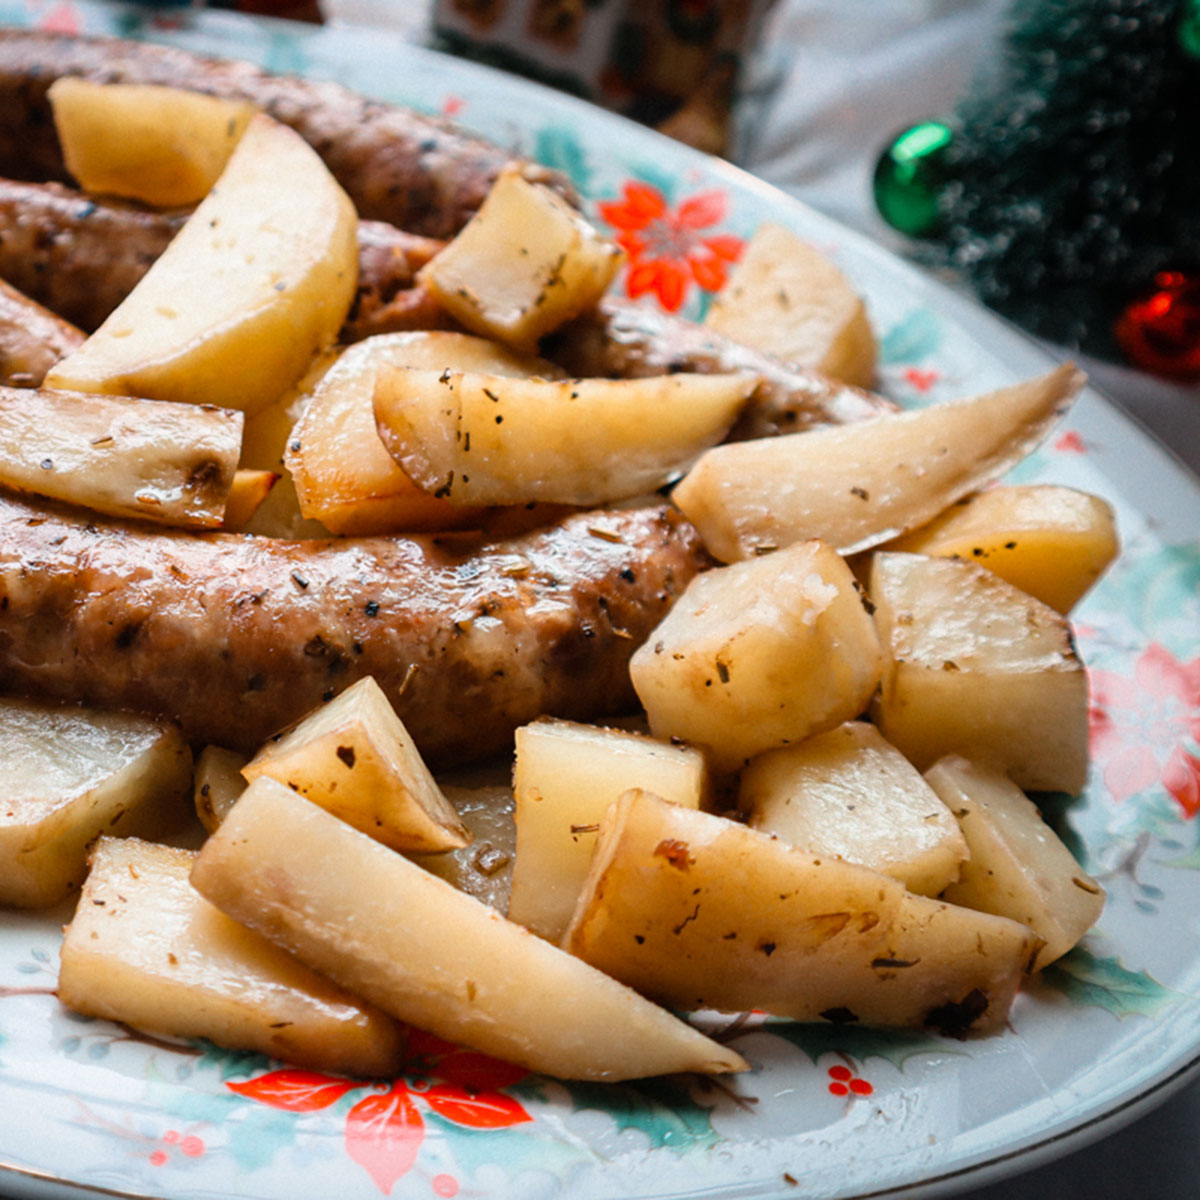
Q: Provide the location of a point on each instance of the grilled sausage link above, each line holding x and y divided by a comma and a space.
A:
619, 340
78, 257
32, 339
413, 171
81, 257
236, 636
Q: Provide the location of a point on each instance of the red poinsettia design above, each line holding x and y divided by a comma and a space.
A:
668, 249
1133, 719
385, 1128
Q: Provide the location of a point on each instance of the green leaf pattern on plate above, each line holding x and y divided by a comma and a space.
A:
1087, 979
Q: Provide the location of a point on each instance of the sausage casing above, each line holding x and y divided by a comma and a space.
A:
235, 636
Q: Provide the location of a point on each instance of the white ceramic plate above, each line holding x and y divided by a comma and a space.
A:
827, 1112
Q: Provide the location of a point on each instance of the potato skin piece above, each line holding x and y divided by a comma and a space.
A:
237, 636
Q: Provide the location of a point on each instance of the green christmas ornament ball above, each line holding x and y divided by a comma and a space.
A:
1189, 29
909, 177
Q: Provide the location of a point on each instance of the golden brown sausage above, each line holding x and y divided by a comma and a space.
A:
32, 339
236, 636
625, 341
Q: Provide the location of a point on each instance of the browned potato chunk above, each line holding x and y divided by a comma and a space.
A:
760, 654
702, 912
565, 777
1019, 867
171, 463
978, 668
70, 775
145, 948
858, 485
524, 264
1049, 541
354, 757
850, 794
430, 955
786, 298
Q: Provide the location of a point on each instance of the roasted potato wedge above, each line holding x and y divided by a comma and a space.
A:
145, 948
1052, 542
354, 757
429, 954
70, 775
524, 264
1018, 865
257, 282
699, 911
564, 778
850, 794
163, 146
171, 463
856, 486
217, 783
483, 439
345, 477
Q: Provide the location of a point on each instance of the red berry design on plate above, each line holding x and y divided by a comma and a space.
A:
844, 1082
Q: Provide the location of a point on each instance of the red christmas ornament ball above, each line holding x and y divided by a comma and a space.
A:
1160, 331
